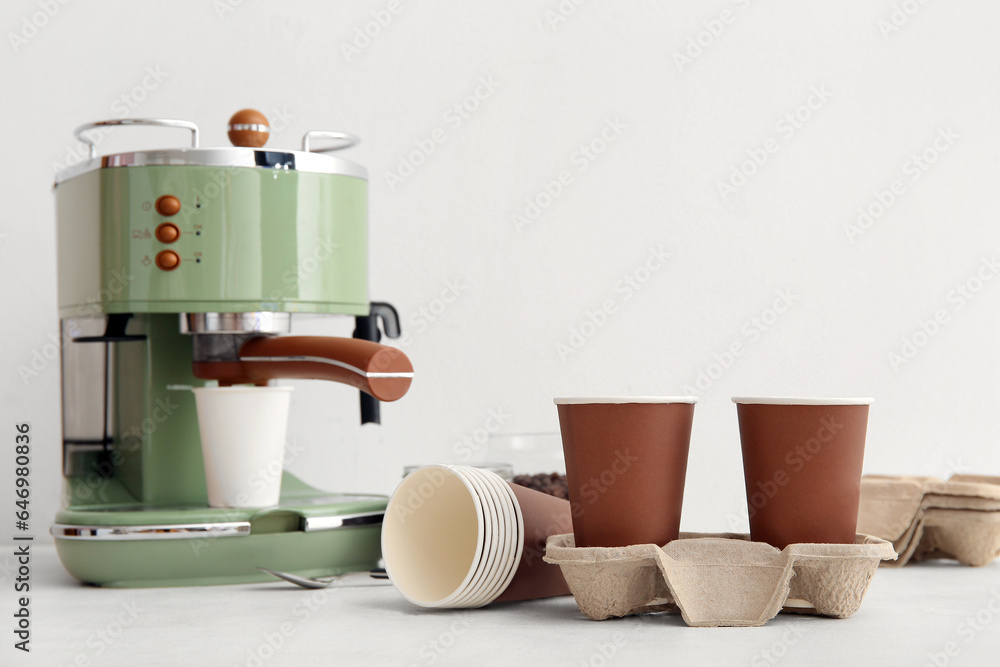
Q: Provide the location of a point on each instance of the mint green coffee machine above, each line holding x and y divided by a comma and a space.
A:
181, 268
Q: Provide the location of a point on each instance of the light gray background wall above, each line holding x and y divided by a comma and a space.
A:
844, 103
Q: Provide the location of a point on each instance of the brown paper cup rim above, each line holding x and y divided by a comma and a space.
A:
800, 400
619, 400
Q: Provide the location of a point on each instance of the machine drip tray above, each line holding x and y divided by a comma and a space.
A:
310, 532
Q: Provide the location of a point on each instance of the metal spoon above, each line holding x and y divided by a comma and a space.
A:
308, 582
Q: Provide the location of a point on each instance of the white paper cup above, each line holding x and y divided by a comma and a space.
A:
513, 530
433, 535
243, 443
492, 547
504, 556
446, 538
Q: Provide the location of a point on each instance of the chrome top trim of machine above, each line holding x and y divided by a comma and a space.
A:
308, 159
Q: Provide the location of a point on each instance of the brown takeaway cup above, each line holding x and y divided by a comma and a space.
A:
802, 461
626, 460
543, 515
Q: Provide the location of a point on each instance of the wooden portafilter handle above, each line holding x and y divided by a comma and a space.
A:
381, 371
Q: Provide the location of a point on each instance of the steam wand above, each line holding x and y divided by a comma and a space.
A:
366, 328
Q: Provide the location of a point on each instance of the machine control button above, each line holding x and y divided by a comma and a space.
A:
167, 233
168, 260
168, 205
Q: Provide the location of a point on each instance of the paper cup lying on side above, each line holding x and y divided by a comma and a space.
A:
243, 443
544, 515
455, 536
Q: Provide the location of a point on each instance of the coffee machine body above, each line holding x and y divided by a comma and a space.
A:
178, 268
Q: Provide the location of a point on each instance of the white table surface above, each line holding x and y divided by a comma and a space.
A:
911, 616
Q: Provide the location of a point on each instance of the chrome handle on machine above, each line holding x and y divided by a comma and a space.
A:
345, 140
157, 122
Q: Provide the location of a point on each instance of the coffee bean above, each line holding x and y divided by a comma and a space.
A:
553, 484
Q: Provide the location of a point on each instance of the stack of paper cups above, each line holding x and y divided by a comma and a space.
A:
454, 536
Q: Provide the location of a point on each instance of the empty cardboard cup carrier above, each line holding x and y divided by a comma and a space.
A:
719, 579
928, 518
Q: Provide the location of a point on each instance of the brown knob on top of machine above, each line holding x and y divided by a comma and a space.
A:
248, 128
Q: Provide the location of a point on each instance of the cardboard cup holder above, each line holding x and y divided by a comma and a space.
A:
716, 580
928, 518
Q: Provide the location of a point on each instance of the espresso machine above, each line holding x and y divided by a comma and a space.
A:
181, 268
